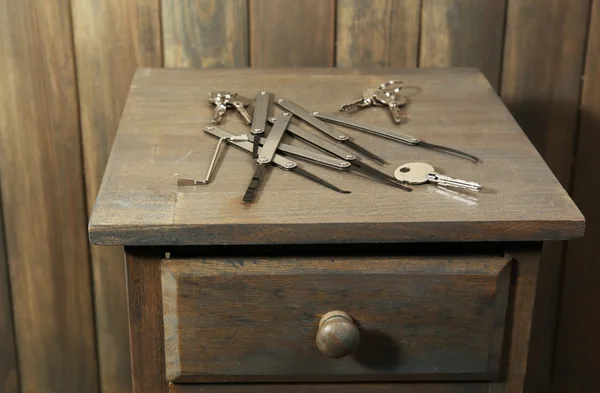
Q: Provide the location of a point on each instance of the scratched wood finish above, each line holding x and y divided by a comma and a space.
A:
335, 388
160, 139
551, 35
578, 341
421, 318
463, 33
112, 38
377, 33
205, 33
286, 33
145, 321
43, 199
9, 380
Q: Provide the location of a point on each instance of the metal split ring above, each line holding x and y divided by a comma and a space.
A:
392, 93
388, 86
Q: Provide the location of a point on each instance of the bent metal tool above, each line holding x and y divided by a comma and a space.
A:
393, 135
213, 162
325, 128
278, 161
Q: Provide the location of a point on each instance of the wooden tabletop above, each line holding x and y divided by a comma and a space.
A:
161, 139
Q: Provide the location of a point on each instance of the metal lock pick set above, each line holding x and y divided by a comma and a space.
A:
338, 154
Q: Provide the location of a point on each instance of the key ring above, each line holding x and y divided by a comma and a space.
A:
386, 86
392, 93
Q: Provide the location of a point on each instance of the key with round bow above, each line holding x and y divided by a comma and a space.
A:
421, 173
366, 101
387, 94
223, 100
393, 101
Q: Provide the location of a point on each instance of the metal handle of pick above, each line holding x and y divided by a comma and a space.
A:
213, 161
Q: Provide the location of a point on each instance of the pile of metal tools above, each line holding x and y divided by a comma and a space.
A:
336, 154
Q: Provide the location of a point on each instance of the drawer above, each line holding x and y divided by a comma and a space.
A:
334, 388
410, 318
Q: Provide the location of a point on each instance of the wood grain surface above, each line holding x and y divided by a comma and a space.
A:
44, 200
543, 95
9, 377
463, 33
205, 33
420, 318
286, 33
517, 374
335, 388
112, 38
145, 321
578, 341
377, 33
551, 33
161, 139
545, 41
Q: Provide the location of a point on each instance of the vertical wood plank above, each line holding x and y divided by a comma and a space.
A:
205, 33
146, 321
578, 341
525, 268
377, 33
295, 33
463, 33
112, 38
9, 379
542, 93
43, 198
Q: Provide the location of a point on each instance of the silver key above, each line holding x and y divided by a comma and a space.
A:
223, 100
366, 100
220, 96
240, 103
393, 101
220, 108
420, 173
219, 99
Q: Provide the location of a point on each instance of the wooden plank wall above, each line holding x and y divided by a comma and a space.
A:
112, 38
9, 376
43, 199
543, 94
65, 70
579, 322
447, 41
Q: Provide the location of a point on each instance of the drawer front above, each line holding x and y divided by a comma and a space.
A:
335, 388
418, 318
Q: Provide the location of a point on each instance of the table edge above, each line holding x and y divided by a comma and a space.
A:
413, 232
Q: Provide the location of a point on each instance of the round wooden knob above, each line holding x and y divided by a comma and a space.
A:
337, 336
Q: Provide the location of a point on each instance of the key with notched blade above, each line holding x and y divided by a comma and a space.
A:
421, 173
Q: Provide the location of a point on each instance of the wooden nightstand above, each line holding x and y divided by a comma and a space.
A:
439, 286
